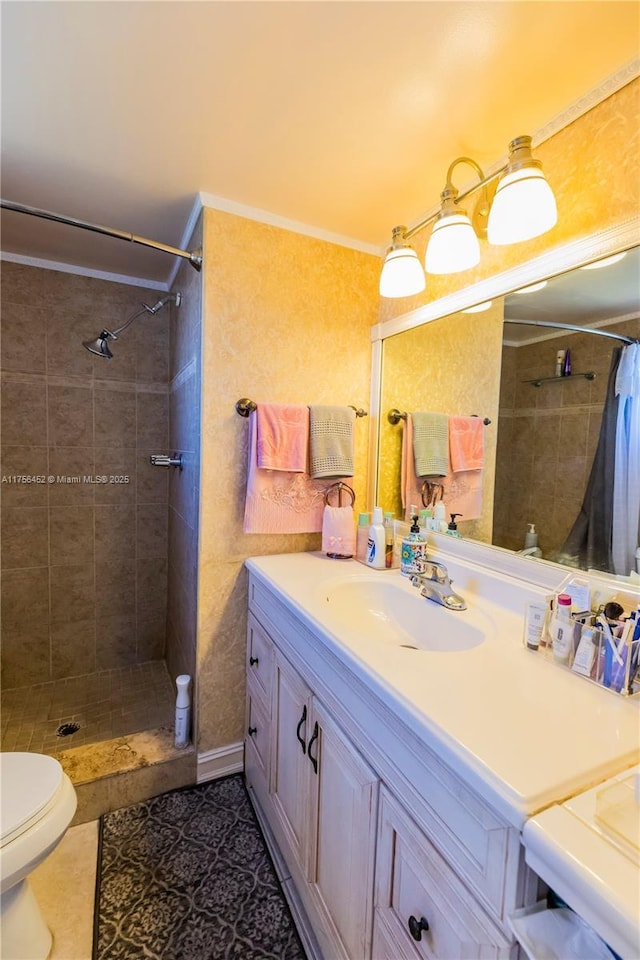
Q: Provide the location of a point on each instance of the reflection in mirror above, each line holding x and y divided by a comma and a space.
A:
540, 447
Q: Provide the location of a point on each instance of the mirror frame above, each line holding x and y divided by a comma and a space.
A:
552, 263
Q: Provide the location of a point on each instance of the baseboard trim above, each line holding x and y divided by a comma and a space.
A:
220, 762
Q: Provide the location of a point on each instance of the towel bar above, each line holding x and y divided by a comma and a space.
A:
395, 416
244, 407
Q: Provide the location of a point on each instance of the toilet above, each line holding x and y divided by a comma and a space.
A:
37, 804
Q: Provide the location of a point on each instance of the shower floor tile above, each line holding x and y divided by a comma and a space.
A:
105, 705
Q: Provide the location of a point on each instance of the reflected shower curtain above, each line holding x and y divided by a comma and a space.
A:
589, 542
626, 484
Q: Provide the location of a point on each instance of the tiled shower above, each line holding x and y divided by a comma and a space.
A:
95, 605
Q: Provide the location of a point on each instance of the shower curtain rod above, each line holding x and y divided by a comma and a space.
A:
573, 326
194, 257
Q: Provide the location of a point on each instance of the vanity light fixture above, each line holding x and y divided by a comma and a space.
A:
523, 207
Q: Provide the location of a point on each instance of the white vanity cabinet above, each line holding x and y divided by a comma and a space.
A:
370, 827
319, 798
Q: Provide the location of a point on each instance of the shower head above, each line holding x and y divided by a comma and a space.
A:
100, 346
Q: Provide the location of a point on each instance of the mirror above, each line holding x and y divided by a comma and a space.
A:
540, 444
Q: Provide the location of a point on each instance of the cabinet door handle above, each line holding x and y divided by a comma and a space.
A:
253, 661
300, 722
417, 926
252, 730
314, 736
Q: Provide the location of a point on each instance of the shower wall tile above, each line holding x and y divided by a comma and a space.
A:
23, 333
65, 333
152, 482
23, 462
115, 642
153, 420
25, 537
73, 648
25, 597
72, 592
25, 654
151, 580
70, 416
116, 587
114, 533
118, 465
115, 418
73, 468
24, 411
71, 535
151, 530
151, 639
152, 358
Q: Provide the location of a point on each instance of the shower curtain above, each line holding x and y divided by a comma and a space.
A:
589, 542
606, 534
626, 484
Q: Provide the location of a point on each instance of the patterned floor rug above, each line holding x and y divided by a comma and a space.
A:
186, 876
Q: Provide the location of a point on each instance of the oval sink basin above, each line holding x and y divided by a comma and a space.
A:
390, 612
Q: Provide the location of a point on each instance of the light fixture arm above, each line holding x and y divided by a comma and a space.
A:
484, 180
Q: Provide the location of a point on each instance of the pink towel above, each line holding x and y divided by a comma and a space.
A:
280, 502
466, 443
338, 531
462, 491
283, 437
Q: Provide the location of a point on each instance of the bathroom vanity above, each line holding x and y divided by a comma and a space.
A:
395, 750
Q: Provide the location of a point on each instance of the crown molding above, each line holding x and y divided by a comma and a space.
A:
588, 101
82, 271
295, 226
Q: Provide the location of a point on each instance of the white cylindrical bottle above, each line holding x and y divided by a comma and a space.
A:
562, 629
376, 541
183, 710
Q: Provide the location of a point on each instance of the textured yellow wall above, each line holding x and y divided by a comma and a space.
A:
592, 166
286, 319
447, 367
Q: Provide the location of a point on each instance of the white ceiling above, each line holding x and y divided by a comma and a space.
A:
340, 115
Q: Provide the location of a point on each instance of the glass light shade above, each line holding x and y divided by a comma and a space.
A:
532, 287
524, 207
453, 245
615, 258
402, 274
479, 307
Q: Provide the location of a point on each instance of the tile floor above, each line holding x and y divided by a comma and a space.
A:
108, 704
71, 868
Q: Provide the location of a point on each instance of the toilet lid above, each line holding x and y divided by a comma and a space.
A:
28, 784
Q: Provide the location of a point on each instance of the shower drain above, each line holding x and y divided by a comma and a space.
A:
66, 729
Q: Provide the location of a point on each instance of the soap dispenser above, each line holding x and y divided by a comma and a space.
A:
414, 550
531, 537
452, 529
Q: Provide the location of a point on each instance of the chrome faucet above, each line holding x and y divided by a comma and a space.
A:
436, 586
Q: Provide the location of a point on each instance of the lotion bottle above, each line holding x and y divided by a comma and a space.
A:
562, 629
183, 710
376, 541
362, 537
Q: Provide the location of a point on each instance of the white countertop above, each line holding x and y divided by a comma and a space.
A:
522, 731
599, 879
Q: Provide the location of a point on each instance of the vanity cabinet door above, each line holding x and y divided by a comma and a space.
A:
291, 771
420, 903
344, 794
